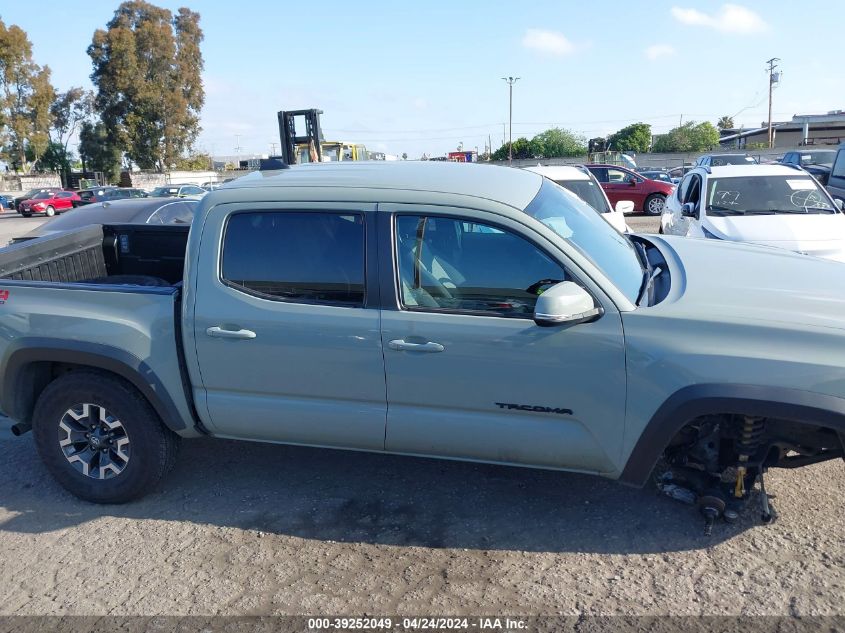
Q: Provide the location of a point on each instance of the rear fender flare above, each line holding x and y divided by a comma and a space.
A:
20, 388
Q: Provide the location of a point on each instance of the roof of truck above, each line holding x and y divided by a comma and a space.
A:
515, 187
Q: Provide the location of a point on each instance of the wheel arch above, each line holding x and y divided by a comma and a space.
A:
694, 401
30, 365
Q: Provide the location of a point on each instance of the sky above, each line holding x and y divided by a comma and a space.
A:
426, 77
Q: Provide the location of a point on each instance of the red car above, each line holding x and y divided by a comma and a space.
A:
620, 183
49, 203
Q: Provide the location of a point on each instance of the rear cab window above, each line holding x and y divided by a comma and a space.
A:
301, 257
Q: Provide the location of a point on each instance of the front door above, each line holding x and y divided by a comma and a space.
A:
469, 373
287, 341
624, 185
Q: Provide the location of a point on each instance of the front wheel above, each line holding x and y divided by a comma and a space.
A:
100, 439
49, 212
654, 204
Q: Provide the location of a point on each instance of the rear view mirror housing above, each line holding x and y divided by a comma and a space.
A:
688, 210
839, 203
565, 303
625, 206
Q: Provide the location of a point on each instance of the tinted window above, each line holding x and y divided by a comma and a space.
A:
192, 191
600, 173
839, 166
588, 191
466, 266
297, 256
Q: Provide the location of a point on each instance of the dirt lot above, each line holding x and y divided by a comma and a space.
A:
243, 528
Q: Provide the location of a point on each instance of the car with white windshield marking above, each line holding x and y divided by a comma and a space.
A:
772, 205
580, 181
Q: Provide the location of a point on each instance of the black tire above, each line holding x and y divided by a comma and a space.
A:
654, 204
151, 446
26, 215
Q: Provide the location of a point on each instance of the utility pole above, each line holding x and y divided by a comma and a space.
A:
772, 67
273, 149
489, 146
510, 81
238, 149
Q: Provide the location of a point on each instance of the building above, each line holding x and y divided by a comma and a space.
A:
803, 129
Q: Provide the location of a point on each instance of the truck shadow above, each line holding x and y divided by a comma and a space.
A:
378, 499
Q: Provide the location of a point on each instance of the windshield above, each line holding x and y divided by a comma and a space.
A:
42, 196
823, 157
760, 195
576, 222
588, 191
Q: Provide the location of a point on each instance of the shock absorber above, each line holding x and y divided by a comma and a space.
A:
746, 448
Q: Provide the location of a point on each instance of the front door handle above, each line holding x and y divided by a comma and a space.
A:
400, 345
219, 332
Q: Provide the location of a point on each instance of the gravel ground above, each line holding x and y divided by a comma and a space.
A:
252, 529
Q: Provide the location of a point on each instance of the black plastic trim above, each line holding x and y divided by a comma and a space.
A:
32, 350
694, 401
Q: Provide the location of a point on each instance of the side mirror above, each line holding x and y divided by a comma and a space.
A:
566, 302
625, 206
839, 203
632, 181
688, 210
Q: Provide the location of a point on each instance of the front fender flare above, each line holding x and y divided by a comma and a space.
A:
694, 401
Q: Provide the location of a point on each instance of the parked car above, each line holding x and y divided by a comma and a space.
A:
817, 162
657, 174
5, 203
95, 194
49, 203
620, 183
135, 211
110, 194
720, 160
773, 205
16, 203
581, 182
836, 180
452, 311
177, 191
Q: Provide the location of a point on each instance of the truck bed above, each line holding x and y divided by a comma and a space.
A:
120, 254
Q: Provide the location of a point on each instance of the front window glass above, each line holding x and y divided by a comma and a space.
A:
588, 191
296, 256
572, 219
465, 266
822, 157
762, 195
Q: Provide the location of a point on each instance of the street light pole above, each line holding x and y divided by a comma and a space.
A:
510, 81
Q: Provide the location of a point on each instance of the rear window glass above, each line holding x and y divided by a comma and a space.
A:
296, 256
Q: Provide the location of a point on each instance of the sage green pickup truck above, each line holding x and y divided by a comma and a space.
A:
455, 311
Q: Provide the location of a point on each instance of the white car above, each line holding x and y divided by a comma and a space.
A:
773, 205
580, 181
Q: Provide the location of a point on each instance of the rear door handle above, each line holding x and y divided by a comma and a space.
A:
400, 345
219, 332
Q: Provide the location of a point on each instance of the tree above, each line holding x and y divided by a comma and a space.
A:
25, 98
521, 149
689, 137
195, 162
725, 123
557, 142
97, 151
147, 66
633, 138
68, 111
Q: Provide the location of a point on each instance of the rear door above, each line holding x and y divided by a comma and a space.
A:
469, 373
286, 325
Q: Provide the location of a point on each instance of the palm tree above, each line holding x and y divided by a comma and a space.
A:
725, 123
